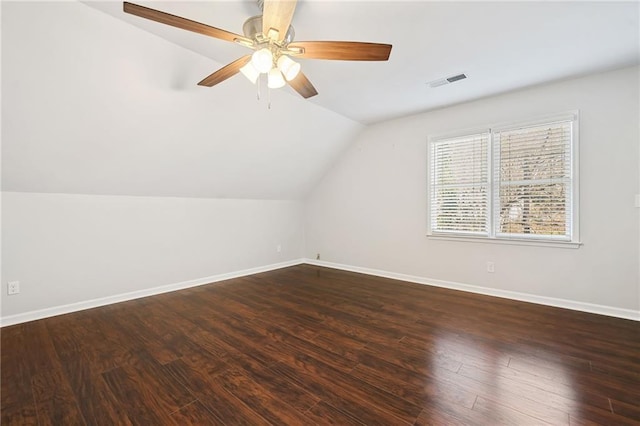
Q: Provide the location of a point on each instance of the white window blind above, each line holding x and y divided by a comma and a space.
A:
533, 181
516, 182
460, 184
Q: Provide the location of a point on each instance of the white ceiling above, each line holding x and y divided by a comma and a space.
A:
97, 103
93, 105
501, 46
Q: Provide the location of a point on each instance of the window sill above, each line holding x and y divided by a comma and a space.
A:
510, 241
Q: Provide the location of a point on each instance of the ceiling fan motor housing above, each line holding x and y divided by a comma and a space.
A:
253, 26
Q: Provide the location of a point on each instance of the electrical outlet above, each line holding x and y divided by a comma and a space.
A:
491, 267
278, 248
13, 287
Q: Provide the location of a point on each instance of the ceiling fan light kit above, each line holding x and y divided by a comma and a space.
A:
262, 60
275, 79
250, 72
271, 36
288, 67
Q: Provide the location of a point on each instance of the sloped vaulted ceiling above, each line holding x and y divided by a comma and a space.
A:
93, 105
97, 101
501, 45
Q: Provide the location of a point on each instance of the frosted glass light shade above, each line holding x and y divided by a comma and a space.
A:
262, 60
275, 79
250, 72
289, 67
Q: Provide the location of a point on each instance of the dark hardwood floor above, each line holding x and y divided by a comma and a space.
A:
308, 345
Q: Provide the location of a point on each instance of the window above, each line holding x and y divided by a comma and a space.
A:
516, 182
460, 184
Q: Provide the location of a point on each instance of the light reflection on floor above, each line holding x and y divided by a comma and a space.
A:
495, 385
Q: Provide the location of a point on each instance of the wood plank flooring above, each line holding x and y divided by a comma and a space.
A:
309, 345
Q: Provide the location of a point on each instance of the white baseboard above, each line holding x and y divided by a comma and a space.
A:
523, 297
94, 303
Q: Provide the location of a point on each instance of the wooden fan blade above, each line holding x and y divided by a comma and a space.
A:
225, 72
277, 15
342, 50
302, 85
185, 24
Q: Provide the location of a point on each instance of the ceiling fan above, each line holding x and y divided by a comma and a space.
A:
270, 35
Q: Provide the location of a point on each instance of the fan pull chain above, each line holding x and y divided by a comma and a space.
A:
258, 89
269, 97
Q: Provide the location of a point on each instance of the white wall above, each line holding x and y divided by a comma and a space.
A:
94, 105
66, 249
370, 209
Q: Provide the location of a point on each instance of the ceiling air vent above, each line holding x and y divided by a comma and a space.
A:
442, 81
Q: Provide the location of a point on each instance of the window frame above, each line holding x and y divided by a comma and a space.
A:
430, 172
493, 236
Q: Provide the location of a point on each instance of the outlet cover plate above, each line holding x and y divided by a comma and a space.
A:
491, 267
13, 287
